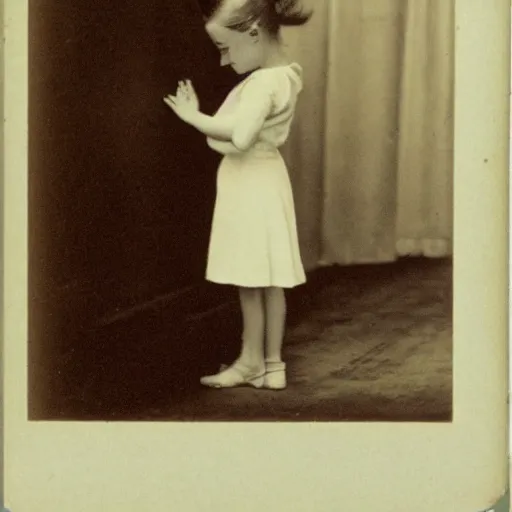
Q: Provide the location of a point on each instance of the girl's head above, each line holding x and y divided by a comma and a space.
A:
245, 31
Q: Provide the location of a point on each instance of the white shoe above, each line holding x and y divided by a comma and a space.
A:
234, 376
275, 374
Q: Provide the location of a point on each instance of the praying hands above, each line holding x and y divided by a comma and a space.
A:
185, 102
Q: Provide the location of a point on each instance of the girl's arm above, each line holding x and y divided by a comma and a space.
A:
220, 127
256, 103
186, 106
249, 120
242, 127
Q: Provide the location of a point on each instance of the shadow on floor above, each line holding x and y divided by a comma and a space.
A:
367, 343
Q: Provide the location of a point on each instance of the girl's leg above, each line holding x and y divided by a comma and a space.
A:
252, 354
249, 368
275, 312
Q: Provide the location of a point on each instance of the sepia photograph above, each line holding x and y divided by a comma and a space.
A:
240, 210
255, 255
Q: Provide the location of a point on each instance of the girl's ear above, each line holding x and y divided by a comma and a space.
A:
254, 32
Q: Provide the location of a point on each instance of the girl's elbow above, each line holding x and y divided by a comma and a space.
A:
215, 145
211, 143
242, 141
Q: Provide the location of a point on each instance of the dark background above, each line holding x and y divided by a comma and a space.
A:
121, 194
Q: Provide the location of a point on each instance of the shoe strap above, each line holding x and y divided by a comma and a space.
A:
275, 367
239, 370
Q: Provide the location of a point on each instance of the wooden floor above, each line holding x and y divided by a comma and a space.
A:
369, 343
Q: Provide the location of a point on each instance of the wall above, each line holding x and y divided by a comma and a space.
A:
120, 191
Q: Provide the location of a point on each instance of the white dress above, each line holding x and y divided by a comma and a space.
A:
254, 241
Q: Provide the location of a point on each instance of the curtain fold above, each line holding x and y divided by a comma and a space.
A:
304, 149
371, 152
425, 185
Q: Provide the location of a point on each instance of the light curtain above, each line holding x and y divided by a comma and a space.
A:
371, 152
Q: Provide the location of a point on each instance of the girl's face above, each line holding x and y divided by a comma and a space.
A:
240, 50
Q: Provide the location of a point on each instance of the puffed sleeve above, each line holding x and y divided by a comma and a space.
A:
256, 103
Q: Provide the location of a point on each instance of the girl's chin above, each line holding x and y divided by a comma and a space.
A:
242, 71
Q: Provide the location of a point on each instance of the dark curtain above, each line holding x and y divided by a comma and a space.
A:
121, 191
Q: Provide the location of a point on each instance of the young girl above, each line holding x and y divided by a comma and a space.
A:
253, 243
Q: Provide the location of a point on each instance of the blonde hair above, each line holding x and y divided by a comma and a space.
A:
270, 15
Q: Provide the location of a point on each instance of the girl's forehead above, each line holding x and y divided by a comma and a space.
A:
216, 27
219, 34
